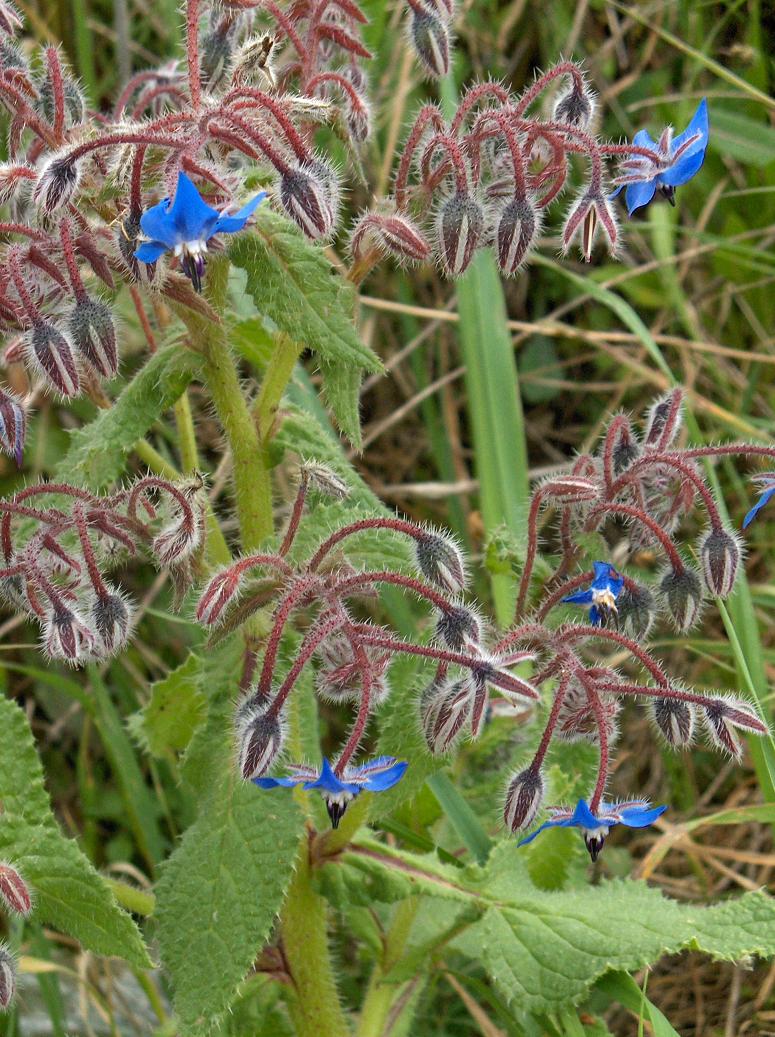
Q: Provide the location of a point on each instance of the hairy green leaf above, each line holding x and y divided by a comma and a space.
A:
69, 893
175, 709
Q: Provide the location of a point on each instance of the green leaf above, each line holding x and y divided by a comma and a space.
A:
175, 710
293, 283
751, 141
220, 890
98, 452
69, 893
621, 987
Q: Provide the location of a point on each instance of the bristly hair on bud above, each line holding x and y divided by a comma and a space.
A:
720, 554
57, 183
681, 590
459, 232
13, 425
112, 616
260, 737
440, 561
7, 977
430, 36
458, 626
221, 591
14, 891
393, 233
67, 636
636, 610
324, 479
576, 106
516, 228
674, 720
178, 541
52, 354
446, 712
663, 421
309, 193
524, 796
94, 335
722, 715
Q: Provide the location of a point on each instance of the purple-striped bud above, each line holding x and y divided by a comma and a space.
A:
67, 635
323, 479
430, 37
259, 737
340, 676
94, 335
14, 891
674, 719
636, 610
681, 590
222, 589
720, 556
57, 183
459, 232
112, 618
663, 421
75, 102
178, 540
723, 715
394, 233
309, 193
515, 231
7, 977
577, 720
523, 799
447, 712
625, 448
13, 425
440, 560
49, 351
575, 107
458, 626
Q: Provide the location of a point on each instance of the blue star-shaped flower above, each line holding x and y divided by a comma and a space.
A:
635, 813
680, 158
767, 480
185, 225
602, 593
374, 776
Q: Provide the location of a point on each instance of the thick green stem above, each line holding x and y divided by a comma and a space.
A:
381, 996
252, 486
314, 1006
184, 420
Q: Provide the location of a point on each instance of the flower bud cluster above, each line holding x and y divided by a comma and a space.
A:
17, 899
60, 541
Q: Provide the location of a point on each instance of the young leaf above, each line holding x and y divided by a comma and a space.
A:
69, 894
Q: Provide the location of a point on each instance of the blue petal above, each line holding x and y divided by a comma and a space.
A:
328, 781
642, 139
698, 125
157, 224
764, 499
639, 818
192, 217
583, 816
602, 571
594, 616
150, 251
579, 598
273, 783
231, 224
375, 766
386, 779
545, 825
639, 194
682, 170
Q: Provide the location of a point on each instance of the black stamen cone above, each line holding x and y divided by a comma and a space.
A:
594, 844
335, 811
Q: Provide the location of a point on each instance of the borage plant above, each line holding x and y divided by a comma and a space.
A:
197, 207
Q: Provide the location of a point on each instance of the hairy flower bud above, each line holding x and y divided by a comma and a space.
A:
440, 560
57, 183
720, 556
325, 480
340, 676
394, 233
446, 714
310, 195
67, 636
7, 977
636, 610
723, 715
94, 335
456, 626
14, 891
177, 541
75, 103
112, 618
128, 240
254, 60
515, 230
48, 350
259, 737
523, 799
674, 719
13, 425
222, 589
430, 37
574, 107
624, 448
663, 421
459, 231
216, 53
682, 593
577, 720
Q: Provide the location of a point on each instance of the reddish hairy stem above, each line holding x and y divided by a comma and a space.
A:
572, 632
551, 723
354, 583
395, 524
532, 547
672, 461
192, 53
640, 516
70, 260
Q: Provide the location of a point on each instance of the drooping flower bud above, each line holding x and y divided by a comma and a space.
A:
723, 715
577, 720
57, 183
112, 619
67, 635
14, 891
75, 103
259, 737
10, 19
7, 977
394, 233
309, 194
13, 178
447, 713
674, 719
636, 610
663, 421
325, 480
430, 37
682, 593
625, 448
177, 541
456, 626
94, 335
216, 51
13, 425
459, 231
575, 107
523, 799
222, 589
340, 676
720, 556
440, 560
515, 231
52, 353
254, 60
